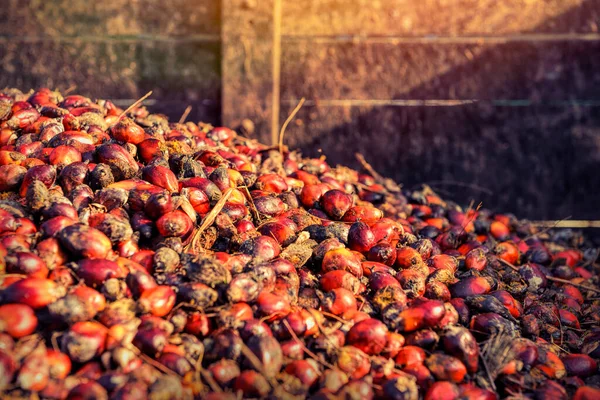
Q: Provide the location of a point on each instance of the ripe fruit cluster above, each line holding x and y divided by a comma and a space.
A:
146, 259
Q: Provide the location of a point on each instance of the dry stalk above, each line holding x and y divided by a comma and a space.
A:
287, 122
185, 114
208, 221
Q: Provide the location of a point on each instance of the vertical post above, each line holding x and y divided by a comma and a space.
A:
276, 72
248, 33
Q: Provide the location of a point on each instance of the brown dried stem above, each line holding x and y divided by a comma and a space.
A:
287, 122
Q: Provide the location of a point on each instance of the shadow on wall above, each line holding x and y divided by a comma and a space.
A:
537, 159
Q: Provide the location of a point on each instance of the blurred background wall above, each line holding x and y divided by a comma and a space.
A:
495, 101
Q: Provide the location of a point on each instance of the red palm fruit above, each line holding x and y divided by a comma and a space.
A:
125, 130
235, 313
307, 178
92, 298
95, 272
446, 368
224, 371
304, 371
303, 322
18, 320
393, 345
271, 183
407, 257
280, 232
508, 252
174, 224
382, 252
269, 205
252, 384
342, 259
572, 292
27, 264
8, 279
340, 301
451, 316
28, 163
443, 261
476, 259
26, 226
159, 204
11, 176
255, 327
53, 226
436, 290
425, 314
512, 305
198, 199
353, 361
470, 286
222, 134
261, 247
88, 390
145, 259
587, 393
121, 163
59, 364
61, 156
34, 371
462, 309
311, 194
243, 287
410, 355
293, 349
459, 342
580, 365
321, 215
412, 281
150, 149
367, 214
360, 237
369, 335
550, 365
382, 280
84, 341
34, 292
22, 118
470, 391
237, 211
387, 230
332, 380
162, 177
82, 241
138, 281
11, 157
43, 173
371, 267
442, 391
571, 257
15, 242
175, 362
206, 185
499, 231
272, 305
569, 319
339, 279
424, 377
127, 248
268, 351
158, 301
335, 203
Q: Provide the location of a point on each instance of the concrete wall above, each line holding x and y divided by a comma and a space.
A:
393, 79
